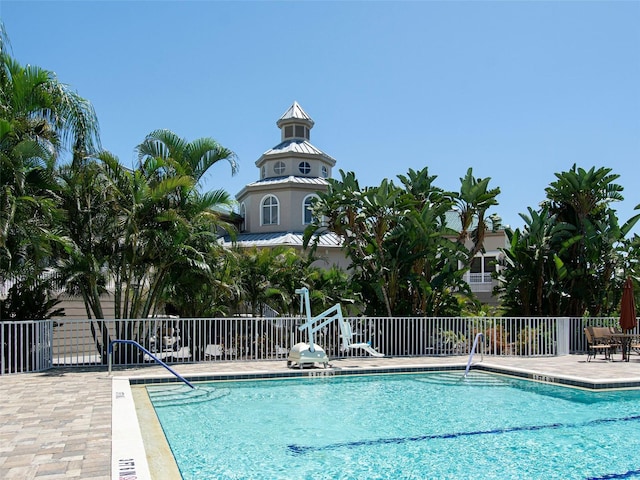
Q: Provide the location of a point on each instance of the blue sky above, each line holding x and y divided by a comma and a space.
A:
517, 90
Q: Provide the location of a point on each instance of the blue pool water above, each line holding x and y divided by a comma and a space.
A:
412, 426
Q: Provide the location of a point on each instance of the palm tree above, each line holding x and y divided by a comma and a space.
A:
330, 286
580, 194
582, 198
170, 222
402, 257
365, 219
473, 201
133, 227
40, 118
531, 282
258, 276
181, 157
206, 293
432, 258
143, 229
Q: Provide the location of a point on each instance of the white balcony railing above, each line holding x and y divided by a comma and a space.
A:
472, 278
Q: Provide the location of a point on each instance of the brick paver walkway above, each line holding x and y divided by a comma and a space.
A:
57, 424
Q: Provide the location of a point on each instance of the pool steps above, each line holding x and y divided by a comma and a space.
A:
163, 397
454, 378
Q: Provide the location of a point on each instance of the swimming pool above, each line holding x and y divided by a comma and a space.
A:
413, 426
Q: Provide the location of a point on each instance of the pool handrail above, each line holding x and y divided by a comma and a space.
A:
473, 350
140, 347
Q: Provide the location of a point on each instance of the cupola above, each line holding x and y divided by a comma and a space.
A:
295, 124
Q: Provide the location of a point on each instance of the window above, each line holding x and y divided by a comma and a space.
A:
490, 264
279, 168
325, 171
270, 210
481, 269
476, 265
264, 172
243, 214
304, 167
307, 214
296, 131
288, 131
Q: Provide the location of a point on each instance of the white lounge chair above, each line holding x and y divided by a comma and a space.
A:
182, 353
347, 340
213, 351
280, 351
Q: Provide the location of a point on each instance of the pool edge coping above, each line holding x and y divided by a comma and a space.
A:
127, 434
128, 453
557, 379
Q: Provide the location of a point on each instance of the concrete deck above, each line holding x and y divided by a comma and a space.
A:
57, 424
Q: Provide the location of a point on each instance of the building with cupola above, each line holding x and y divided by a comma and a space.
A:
275, 209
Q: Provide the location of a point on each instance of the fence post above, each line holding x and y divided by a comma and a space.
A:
562, 336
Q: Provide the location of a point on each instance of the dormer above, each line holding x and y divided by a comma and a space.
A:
295, 124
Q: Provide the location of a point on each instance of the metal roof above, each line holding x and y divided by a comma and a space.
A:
290, 179
296, 112
453, 220
296, 146
290, 239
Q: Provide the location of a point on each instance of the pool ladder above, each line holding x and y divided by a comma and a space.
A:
140, 347
473, 350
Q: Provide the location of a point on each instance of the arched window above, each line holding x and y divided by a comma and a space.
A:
307, 215
325, 171
243, 214
269, 210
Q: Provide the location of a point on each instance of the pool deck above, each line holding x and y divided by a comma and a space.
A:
57, 424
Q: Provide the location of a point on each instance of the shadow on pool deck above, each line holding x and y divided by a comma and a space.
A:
57, 424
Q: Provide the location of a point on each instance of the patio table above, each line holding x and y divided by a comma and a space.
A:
625, 341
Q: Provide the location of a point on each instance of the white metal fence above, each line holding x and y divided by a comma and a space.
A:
25, 346
30, 346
